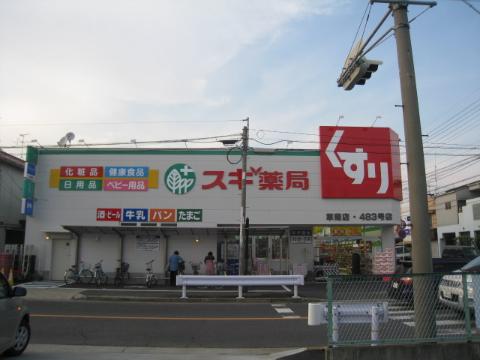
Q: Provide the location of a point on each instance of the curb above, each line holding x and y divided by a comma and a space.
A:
191, 300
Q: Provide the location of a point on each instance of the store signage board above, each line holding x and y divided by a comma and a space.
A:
109, 214
300, 236
148, 244
29, 170
81, 171
283, 188
141, 215
28, 188
126, 172
27, 207
125, 185
135, 215
80, 185
189, 215
360, 162
163, 215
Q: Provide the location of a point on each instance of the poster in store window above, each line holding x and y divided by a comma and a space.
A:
149, 244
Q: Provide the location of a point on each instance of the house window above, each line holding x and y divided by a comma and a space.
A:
448, 205
465, 239
476, 211
449, 238
477, 238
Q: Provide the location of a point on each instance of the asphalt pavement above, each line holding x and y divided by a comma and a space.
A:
58, 291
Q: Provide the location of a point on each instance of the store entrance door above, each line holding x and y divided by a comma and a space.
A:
63, 256
270, 254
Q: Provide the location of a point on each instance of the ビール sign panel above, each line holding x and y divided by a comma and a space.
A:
360, 162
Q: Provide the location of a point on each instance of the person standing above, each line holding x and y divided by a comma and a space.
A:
173, 266
209, 263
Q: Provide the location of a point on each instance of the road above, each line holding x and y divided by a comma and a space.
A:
176, 325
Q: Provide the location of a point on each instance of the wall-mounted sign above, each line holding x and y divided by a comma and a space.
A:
360, 162
135, 215
125, 185
80, 185
346, 231
162, 215
301, 236
109, 214
81, 171
149, 215
29, 170
110, 178
28, 188
27, 207
180, 179
147, 244
189, 215
126, 171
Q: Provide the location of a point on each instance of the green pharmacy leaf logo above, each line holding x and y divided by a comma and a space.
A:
180, 179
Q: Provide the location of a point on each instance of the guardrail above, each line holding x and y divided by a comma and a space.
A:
240, 281
355, 313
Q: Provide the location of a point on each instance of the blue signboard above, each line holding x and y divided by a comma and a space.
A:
126, 172
29, 171
135, 215
27, 207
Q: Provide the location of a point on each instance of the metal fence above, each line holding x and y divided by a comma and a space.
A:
394, 309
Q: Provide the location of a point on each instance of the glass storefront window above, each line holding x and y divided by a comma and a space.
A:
276, 248
261, 246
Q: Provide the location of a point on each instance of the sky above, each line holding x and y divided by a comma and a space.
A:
133, 71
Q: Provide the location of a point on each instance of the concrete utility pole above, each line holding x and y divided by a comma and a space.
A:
424, 291
241, 256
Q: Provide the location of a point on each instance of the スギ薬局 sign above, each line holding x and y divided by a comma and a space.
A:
360, 162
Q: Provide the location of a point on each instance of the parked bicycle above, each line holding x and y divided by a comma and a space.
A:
74, 276
99, 275
195, 268
122, 274
150, 278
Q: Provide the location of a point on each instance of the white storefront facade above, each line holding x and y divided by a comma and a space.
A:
142, 204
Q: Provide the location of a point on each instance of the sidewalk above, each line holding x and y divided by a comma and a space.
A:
81, 352
307, 293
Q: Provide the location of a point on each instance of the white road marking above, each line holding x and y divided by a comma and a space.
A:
284, 310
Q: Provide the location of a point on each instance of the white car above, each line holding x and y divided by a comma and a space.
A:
14, 320
450, 291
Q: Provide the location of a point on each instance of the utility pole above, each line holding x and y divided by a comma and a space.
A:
356, 71
425, 326
22, 145
243, 207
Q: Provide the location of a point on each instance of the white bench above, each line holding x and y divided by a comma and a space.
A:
240, 281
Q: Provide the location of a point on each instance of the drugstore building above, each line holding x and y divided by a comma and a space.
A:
305, 207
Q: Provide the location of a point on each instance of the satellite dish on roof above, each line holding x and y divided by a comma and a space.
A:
70, 136
67, 138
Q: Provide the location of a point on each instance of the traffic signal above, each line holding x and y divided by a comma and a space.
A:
358, 73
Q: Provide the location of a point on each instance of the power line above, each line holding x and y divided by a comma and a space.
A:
471, 6
98, 123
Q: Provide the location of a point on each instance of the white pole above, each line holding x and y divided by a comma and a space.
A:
184, 292
335, 325
375, 324
295, 292
240, 292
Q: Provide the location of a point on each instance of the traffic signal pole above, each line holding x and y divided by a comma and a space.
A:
424, 291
